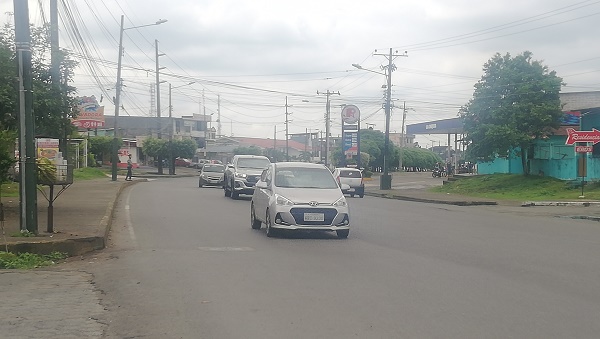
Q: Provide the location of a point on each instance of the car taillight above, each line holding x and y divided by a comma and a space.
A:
338, 180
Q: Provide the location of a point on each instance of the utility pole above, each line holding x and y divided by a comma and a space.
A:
219, 115
327, 123
386, 179
403, 137
158, 114
115, 151
55, 71
274, 142
287, 120
171, 160
27, 156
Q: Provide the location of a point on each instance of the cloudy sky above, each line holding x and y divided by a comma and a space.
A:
255, 53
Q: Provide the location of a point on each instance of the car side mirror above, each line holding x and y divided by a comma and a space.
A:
345, 187
262, 184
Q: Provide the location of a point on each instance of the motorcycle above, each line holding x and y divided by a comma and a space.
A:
438, 173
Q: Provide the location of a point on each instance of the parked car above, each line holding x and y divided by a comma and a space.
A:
211, 175
182, 162
242, 174
352, 177
299, 196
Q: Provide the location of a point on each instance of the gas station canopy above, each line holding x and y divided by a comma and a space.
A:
445, 126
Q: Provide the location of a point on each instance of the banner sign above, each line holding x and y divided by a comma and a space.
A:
574, 136
91, 114
584, 149
350, 145
350, 114
47, 148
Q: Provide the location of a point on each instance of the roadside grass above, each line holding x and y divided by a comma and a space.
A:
519, 187
88, 173
9, 189
29, 260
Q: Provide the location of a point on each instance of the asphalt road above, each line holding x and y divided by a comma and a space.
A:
184, 263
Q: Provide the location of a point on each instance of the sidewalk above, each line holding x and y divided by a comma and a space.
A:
82, 215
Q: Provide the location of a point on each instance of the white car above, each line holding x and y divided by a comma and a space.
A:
353, 178
299, 196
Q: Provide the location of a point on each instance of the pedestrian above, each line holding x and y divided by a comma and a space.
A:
129, 169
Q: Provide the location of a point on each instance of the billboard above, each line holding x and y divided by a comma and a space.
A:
91, 114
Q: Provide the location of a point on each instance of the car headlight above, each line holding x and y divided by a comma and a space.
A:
283, 201
203, 176
341, 202
240, 175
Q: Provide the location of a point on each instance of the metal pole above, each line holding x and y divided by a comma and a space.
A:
27, 156
287, 147
115, 146
171, 158
158, 114
386, 179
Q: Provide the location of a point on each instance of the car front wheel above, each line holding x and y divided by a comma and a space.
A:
255, 223
270, 230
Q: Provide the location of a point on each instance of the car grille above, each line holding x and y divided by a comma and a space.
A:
252, 179
298, 214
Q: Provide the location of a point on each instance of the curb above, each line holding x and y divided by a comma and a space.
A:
560, 203
76, 246
432, 201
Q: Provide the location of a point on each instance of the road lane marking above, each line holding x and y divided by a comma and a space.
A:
128, 219
226, 249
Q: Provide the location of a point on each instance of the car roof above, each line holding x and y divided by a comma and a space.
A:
298, 164
347, 169
250, 156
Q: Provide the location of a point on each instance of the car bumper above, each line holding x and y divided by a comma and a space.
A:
292, 218
356, 190
243, 187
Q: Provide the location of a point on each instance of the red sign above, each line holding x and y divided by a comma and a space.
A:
582, 136
584, 149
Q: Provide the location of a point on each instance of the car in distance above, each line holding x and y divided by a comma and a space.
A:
299, 196
351, 177
242, 174
211, 175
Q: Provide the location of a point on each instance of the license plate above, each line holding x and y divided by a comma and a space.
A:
314, 217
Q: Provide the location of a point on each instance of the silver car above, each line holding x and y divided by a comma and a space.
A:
299, 196
211, 175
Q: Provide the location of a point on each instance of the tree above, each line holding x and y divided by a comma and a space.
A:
101, 146
53, 105
185, 148
419, 158
515, 102
155, 148
373, 143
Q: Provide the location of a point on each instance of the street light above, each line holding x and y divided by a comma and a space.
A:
171, 160
386, 179
115, 152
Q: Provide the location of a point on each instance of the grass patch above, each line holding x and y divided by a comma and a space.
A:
23, 234
519, 187
10, 189
88, 173
28, 260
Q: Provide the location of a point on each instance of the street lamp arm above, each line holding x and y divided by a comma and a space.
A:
161, 21
368, 70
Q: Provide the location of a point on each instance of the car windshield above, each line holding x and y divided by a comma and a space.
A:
350, 174
304, 178
253, 163
213, 168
